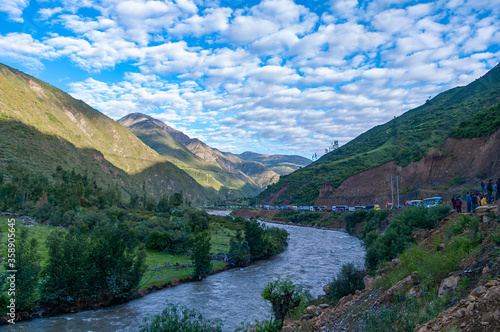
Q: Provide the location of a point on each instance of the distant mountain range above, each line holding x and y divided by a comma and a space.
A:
42, 127
425, 137
232, 175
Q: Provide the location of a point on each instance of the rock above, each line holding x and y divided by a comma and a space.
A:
305, 317
287, 329
311, 308
396, 261
369, 282
491, 283
400, 287
483, 212
448, 285
323, 306
459, 313
326, 289
478, 291
420, 235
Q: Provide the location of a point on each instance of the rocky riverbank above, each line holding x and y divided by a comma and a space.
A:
469, 296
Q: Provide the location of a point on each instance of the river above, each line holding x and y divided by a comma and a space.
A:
312, 258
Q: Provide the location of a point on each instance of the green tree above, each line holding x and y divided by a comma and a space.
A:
254, 236
163, 204
284, 297
176, 199
28, 271
201, 255
175, 318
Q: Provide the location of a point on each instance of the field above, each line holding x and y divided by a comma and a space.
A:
156, 274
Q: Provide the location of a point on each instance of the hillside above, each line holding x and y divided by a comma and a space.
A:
281, 164
226, 173
400, 143
42, 128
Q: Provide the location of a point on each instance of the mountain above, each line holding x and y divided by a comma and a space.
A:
419, 135
233, 177
281, 164
42, 128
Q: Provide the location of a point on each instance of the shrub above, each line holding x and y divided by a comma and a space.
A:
176, 318
347, 281
351, 219
398, 235
158, 241
284, 297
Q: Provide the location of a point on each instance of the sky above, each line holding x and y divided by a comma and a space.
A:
271, 76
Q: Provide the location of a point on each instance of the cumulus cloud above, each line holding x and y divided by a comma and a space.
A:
14, 9
274, 73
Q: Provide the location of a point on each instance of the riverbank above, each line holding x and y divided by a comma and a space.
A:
325, 221
449, 280
231, 297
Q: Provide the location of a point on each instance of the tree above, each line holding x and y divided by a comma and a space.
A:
176, 199
175, 318
201, 255
28, 271
254, 236
284, 297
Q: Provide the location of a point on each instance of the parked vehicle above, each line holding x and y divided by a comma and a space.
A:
432, 201
359, 207
342, 208
372, 207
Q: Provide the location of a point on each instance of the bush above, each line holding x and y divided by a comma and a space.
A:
284, 297
347, 281
158, 241
398, 235
176, 318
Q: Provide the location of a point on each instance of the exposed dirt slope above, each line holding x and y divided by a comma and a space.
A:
430, 176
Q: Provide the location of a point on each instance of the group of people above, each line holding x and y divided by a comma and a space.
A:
475, 198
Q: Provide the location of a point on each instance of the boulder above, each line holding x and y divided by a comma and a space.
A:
400, 287
420, 235
483, 212
448, 285
369, 282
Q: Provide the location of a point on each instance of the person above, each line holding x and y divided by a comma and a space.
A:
475, 202
483, 185
497, 195
489, 190
458, 204
453, 203
468, 200
483, 200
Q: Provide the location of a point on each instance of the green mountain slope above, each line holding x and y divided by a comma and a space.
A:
43, 127
404, 139
228, 174
281, 164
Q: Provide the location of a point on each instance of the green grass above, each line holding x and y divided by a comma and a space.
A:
154, 258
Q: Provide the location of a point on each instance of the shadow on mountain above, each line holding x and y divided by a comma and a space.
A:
24, 146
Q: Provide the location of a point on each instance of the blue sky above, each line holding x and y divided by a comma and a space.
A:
272, 76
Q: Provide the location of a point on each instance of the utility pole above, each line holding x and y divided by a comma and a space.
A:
392, 193
397, 187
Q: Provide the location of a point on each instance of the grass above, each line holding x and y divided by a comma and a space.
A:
154, 259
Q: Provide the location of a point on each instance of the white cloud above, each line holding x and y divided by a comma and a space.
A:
274, 71
14, 9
